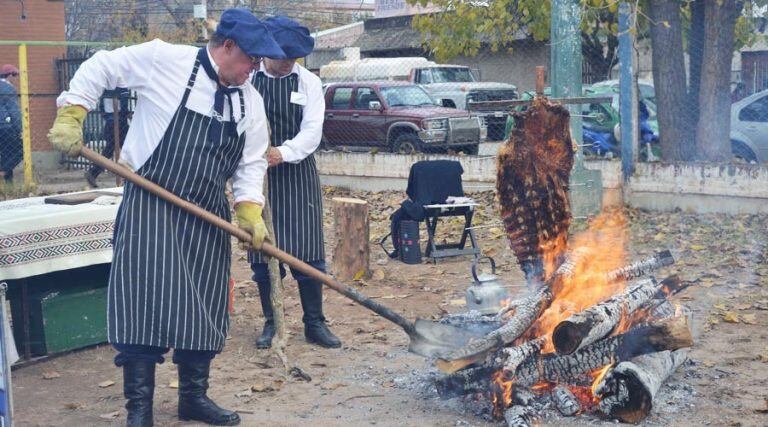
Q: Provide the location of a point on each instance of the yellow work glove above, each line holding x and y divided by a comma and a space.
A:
249, 219
66, 135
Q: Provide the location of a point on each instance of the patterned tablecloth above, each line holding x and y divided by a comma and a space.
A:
38, 238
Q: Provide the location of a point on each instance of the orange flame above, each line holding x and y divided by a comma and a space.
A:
602, 248
504, 388
599, 377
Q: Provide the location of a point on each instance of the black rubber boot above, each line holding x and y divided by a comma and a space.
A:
194, 405
265, 339
139, 388
315, 329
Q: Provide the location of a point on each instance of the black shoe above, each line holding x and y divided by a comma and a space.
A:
315, 329
194, 404
139, 388
91, 178
318, 333
265, 339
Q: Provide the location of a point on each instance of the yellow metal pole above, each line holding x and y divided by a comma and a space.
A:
26, 130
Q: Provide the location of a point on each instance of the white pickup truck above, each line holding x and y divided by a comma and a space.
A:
452, 86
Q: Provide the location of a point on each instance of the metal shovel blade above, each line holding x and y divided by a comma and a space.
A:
433, 339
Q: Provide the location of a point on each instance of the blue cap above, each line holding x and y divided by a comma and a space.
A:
293, 38
250, 34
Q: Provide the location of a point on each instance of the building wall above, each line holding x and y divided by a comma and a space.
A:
517, 67
44, 22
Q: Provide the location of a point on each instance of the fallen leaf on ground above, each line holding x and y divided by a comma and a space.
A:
459, 302
331, 386
106, 383
378, 274
359, 275
730, 317
749, 319
263, 388
51, 375
110, 416
698, 247
74, 406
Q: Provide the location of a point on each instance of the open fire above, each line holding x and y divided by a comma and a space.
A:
595, 334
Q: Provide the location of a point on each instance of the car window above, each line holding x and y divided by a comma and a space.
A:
363, 98
398, 96
756, 111
452, 75
341, 98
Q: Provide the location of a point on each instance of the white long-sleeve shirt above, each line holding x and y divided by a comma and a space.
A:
311, 128
158, 72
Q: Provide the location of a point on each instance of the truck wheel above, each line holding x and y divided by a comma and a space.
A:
742, 153
406, 143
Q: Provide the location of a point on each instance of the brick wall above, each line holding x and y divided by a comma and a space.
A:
44, 22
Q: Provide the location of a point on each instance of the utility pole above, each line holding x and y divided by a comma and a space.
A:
586, 189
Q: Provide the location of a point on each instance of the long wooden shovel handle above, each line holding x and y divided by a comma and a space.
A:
244, 236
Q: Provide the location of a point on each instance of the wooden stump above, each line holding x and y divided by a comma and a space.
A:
351, 255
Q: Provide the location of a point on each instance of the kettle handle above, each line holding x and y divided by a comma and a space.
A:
476, 262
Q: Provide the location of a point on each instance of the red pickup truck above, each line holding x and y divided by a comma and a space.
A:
395, 116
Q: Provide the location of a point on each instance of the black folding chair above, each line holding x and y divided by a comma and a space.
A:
435, 191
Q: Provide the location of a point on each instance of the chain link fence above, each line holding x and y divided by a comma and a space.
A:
33, 76
397, 84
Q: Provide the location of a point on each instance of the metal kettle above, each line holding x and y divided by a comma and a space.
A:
487, 292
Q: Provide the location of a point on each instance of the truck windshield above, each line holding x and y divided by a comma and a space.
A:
398, 96
451, 75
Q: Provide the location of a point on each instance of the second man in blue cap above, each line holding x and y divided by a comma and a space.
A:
293, 100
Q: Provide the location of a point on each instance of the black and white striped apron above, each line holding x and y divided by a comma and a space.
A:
294, 188
170, 270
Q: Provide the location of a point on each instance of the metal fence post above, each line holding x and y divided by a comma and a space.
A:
586, 188
627, 92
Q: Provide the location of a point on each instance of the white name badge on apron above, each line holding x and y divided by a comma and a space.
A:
298, 98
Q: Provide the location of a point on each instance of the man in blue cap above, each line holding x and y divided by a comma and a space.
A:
293, 99
197, 122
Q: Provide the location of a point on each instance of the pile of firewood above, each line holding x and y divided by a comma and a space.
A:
610, 356
632, 364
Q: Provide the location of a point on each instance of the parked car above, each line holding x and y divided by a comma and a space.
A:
452, 86
455, 86
395, 116
749, 128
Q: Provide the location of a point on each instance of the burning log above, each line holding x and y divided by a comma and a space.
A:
533, 170
519, 416
642, 267
599, 320
528, 310
467, 381
515, 356
628, 390
565, 401
666, 334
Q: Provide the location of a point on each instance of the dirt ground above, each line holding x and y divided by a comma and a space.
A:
373, 380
